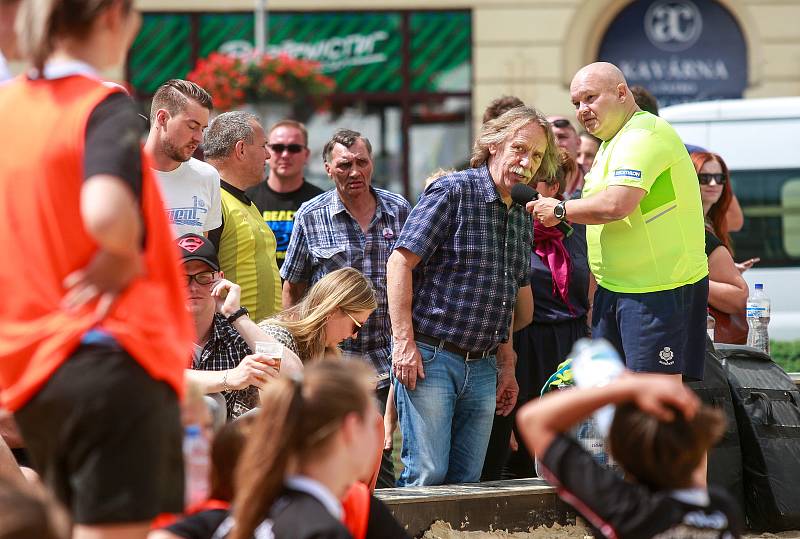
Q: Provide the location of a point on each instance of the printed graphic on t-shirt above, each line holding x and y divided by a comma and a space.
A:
281, 223
190, 215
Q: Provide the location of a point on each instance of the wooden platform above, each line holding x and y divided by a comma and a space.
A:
513, 505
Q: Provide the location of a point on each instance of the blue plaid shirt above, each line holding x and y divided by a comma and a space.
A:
326, 237
475, 256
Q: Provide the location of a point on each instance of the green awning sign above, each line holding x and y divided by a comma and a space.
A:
361, 51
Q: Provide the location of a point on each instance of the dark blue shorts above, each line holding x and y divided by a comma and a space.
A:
662, 332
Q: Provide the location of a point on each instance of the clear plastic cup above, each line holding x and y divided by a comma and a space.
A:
273, 350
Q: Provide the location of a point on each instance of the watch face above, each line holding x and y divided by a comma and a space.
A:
558, 211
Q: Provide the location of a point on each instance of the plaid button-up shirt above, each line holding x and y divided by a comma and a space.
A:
475, 256
326, 237
224, 350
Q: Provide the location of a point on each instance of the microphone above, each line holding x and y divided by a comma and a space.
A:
522, 194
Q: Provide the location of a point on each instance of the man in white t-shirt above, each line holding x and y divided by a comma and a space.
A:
190, 187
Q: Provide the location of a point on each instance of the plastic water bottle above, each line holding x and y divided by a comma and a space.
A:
710, 325
596, 363
593, 441
196, 465
758, 311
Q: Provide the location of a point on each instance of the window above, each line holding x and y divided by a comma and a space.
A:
770, 201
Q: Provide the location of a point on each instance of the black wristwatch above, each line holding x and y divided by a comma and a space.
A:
560, 210
241, 311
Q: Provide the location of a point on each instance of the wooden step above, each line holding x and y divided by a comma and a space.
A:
513, 505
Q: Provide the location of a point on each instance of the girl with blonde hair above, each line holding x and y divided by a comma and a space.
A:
334, 309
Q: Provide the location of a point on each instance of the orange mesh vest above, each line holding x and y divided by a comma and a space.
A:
42, 240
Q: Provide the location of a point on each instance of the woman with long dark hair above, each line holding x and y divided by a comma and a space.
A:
727, 290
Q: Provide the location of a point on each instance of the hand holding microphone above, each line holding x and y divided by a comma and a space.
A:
523, 194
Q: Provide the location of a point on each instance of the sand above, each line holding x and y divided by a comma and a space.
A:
443, 530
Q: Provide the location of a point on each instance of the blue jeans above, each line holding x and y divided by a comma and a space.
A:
447, 419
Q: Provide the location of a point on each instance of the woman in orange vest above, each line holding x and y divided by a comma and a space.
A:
94, 336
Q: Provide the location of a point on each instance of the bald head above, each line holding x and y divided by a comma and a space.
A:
603, 72
602, 100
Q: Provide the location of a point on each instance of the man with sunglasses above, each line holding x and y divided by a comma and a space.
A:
286, 188
645, 234
223, 359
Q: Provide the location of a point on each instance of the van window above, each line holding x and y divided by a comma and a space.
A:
770, 200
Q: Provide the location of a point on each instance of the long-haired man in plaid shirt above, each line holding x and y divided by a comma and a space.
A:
452, 281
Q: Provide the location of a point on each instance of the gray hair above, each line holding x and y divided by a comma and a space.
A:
226, 130
345, 137
498, 130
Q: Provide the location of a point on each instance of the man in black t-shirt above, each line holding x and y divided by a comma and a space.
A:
286, 189
660, 436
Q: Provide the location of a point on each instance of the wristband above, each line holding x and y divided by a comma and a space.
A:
225, 386
238, 314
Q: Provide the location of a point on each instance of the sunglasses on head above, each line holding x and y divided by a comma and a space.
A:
561, 123
280, 148
705, 178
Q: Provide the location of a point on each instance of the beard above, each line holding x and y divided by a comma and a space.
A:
174, 152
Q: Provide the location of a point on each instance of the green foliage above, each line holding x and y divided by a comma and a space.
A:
786, 354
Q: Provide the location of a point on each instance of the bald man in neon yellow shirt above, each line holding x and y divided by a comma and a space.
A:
641, 204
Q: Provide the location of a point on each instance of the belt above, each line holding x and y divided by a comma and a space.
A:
450, 347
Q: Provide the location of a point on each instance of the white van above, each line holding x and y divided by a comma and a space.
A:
759, 139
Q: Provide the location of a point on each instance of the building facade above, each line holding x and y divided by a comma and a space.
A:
416, 75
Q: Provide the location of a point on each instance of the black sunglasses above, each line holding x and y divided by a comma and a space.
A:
561, 123
280, 148
706, 177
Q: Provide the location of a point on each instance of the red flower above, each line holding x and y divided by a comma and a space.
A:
233, 80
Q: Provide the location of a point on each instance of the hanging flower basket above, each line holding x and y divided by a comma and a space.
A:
260, 78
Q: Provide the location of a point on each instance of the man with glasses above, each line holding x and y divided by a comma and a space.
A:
645, 234
223, 359
236, 146
286, 189
354, 225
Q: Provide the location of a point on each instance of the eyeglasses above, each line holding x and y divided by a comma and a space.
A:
705, 178
561, 123
203, 278
280, 148
356, 324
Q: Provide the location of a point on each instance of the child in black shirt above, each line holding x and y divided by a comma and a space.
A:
660, 436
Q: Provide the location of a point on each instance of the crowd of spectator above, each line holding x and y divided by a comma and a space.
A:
143, 307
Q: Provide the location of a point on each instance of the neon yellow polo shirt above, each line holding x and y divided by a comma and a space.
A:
247, 257
660, 246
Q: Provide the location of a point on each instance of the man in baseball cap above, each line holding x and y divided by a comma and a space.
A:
200, 248
223, 360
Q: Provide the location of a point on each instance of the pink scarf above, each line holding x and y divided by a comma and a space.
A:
549, 245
